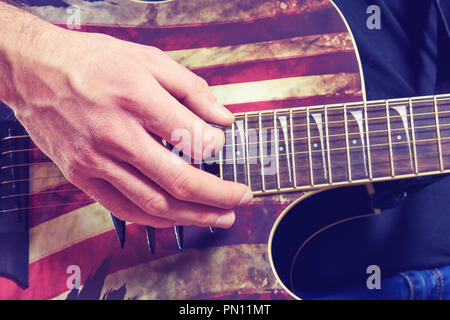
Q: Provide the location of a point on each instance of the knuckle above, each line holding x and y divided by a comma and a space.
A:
85, 159
184, 187
155, 202
108, 136
105, 131
71, 171
199, 85
155, 51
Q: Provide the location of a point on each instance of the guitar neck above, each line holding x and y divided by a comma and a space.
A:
311, 147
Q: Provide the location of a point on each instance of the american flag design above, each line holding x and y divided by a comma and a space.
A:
256, 55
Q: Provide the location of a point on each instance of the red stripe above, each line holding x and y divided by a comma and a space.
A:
48, 275
36, 156
228, 33
267, 69
295, 102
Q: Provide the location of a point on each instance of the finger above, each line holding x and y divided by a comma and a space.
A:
157, 202
189, 88
181, 180
109, 197
165, 116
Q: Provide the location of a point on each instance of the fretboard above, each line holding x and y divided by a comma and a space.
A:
312, 147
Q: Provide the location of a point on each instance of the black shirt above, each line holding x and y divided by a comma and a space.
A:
406, 57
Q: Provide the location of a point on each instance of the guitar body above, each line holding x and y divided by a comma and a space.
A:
256, 55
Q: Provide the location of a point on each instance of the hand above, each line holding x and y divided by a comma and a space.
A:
98, 107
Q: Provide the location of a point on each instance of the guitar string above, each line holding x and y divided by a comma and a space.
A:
46, 206
286, 154
433, 114
336, 165
306, 167
346, 123
318, 108
340, 107
93, 201
289, 140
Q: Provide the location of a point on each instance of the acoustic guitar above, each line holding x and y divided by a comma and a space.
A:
304, 133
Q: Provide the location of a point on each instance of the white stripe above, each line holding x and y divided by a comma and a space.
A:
45, 176
293, 47
294, 87
172, 13
66, 230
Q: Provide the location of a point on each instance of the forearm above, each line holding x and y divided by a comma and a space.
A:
24, 45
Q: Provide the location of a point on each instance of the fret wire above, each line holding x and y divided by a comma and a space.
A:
308, 126
294, 175
347, 146
438, 132
391, 156
221, 164
277, 146
261, 152
246, 150
369, 156
330, 176
233, 152
413, 136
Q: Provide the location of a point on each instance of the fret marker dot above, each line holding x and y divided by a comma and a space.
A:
315, 145
354, 141
238, 153
399, 137
281, 149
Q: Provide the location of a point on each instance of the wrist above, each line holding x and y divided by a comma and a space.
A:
26, 50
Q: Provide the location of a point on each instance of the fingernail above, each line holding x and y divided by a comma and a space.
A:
224, 112
246, 198
225, 221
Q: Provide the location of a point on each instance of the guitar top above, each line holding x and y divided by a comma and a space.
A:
256, 56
